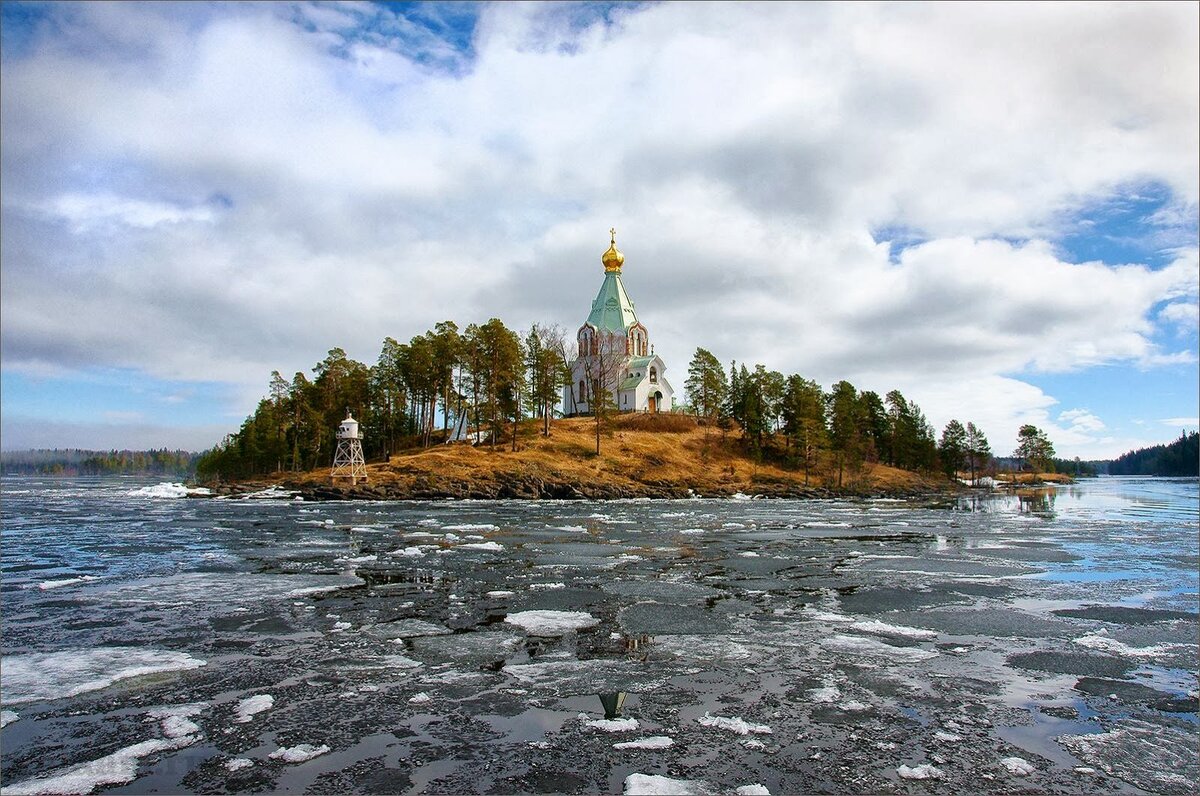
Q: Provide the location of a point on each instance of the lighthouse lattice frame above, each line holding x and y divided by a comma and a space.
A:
348, 460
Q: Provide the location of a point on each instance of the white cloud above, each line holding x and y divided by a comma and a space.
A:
375, 181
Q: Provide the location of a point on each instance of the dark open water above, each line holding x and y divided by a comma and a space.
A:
1038, 642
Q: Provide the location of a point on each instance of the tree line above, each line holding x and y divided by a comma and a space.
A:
1180, 458
487, 373
74, 461
792, 420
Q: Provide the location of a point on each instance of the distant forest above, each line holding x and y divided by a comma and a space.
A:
72, 461
1180, 458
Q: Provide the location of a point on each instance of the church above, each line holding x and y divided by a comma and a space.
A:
616, 358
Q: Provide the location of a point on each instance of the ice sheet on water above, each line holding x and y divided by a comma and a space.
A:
869, 647
407, 628
733, 724
657, 785
480, 648
551, 623
238, 763
755, 789
702, 648
1153, 757
56, 584
38, 676
298, 753
420, 699
653, 742
500, 593
270, 493
176, 720
410, 552
7, 717
251, 706
220, 588
484, 526
828, 692
573, 677
612, 725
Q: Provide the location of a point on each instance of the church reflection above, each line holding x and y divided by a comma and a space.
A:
613, 704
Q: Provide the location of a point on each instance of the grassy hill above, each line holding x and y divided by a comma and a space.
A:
664, 456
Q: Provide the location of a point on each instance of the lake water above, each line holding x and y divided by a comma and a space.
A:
1038, 641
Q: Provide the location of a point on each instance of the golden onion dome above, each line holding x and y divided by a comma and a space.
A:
612, 259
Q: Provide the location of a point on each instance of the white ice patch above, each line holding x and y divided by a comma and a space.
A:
176, 721
400, 662
946, 737
856, 645
357, 560
168, 490
551, 623
480, 527
571, 528
757, 789
1101, 641
612, 725
653, 742
923, 771
492, 546
824, 616
655, 785
735, 725
7, 717
1017, 766
57, 584
500, 593
419, 699
114, 769
238, 763
547, 585
121, 766
884, 629
298, 753
39, 676
854, 706
411, 552
251, 706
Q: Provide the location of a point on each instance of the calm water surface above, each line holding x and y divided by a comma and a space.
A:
1037, 641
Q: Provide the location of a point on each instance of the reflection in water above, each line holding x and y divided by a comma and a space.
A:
1036, 501
613, 703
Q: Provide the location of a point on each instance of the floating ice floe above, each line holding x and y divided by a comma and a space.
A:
298, 753
857, 645
168, 490
1017, 766
551, 623
469, 527
853, 706
176, 721
1100, 641
735, 725
492, 546
610, 725
571, 528
656, 785
499, 593
547, 585
272, 493
923, 771
38, 676
946, 737
420, 699
653, 742
57, 584
757, 789
251, 706
885, 629
411, 552
238, 763
7, 717
119, 767
400, 662
826, 693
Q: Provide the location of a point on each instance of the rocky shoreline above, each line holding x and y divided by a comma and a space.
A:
532, 488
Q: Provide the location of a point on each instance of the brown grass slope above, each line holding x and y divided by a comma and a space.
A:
663, 456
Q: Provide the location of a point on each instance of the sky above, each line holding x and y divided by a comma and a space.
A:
990, 207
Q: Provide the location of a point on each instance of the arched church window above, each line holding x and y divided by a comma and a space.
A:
654, 375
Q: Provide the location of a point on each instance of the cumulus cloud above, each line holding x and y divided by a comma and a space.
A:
847, 191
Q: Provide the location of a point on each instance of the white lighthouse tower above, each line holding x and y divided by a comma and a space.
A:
348, 461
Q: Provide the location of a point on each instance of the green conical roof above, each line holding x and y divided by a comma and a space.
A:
612, 311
